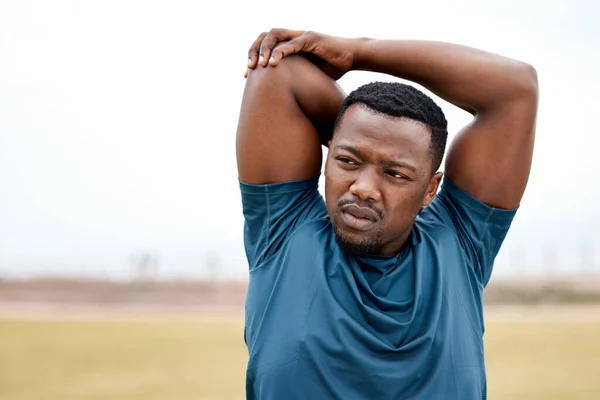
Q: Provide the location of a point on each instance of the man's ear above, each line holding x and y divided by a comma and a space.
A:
432, 188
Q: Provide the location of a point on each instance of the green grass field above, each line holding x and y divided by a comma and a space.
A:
204, 358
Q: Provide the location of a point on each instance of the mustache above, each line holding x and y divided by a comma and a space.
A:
345, 202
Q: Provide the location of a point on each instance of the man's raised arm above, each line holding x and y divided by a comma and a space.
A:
286, 113
491, 157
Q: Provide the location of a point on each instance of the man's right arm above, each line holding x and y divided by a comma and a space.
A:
286, 114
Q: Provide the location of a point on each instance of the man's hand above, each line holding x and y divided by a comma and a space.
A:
333, 55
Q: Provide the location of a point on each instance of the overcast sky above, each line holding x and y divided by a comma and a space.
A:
118, 120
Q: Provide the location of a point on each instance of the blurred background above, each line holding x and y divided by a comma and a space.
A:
122, 269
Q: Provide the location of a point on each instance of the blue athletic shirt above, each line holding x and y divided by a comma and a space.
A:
321, 324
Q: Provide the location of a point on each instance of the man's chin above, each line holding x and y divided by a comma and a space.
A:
354, 244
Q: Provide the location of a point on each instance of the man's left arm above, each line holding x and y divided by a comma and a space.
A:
490, 158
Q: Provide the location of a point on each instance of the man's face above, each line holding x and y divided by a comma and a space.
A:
378, 176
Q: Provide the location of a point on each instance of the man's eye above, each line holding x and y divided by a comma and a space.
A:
346, 161
396, 175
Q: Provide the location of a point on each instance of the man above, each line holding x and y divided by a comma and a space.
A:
376, 292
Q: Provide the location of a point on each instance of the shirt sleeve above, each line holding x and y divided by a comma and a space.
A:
480, 229
273, 211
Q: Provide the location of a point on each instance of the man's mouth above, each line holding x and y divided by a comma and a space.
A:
359, 218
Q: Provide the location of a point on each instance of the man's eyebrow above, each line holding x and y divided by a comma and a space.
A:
352, 150
386, 164
399, 164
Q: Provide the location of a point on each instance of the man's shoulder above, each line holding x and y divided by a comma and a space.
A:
304, 243
314, 230
429, 220
434, 235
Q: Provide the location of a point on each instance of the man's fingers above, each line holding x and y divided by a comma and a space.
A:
261, 51
287, 49
253, 52
273, 38
268, 43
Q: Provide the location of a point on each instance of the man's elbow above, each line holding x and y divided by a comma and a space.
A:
290, 71
527, 81
272, 77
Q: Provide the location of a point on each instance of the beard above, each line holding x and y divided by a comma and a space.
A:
363, 246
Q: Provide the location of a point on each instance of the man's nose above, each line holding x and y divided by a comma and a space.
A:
366, 186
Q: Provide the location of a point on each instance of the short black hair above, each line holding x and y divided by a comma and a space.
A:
398, 100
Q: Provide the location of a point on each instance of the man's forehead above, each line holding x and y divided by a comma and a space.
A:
388, 146
362, 126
